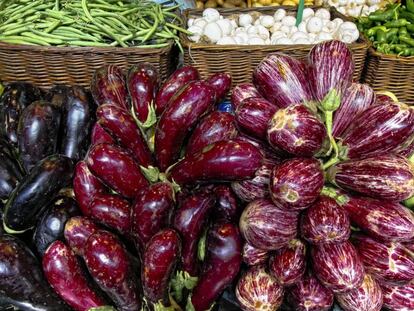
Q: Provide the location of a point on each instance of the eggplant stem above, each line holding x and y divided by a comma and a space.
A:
151, 173
332, 161
332, 193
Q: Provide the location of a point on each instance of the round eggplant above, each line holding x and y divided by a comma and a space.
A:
253, 256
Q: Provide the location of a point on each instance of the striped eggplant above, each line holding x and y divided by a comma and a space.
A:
325, 222
253, 256
271, 156
388, 261
266, 226
398, 297
379, 130
337, 266
330, 69
258, 290
354, 101
288, 265
282, 80
408, 151
366, 297
243, 91
387, 177
296, 183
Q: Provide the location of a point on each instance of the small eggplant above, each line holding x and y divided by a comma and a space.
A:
227, 207
221, 84
10, 174
271, 156
100, 136
398, 297
242, 92
253, 256
77, 231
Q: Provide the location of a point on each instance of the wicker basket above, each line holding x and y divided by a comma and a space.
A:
46, 66
240, 60
391, 73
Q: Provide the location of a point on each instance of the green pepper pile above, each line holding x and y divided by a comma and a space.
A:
391, 29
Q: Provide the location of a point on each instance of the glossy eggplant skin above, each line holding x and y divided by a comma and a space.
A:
38, 133
52, 223
21, 280
77, 231
57, 95
253, 256
226, 208
100, 136
242, 92
221, 84
221, 264
398, 297
10, 174
35, 191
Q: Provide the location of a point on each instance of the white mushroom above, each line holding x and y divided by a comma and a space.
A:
200, 22
245, 20
190, 22
225, 26
256, 41
263, 32
276, 26
213, 32
267, 21
302, 41
279, 15
323, 14
289, 21
307, 13
226, 41
298, 35
314, 25
285, 29
284, 41
211, 15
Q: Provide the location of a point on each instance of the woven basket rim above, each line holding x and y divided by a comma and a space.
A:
392, 57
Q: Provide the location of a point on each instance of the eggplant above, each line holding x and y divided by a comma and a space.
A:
288, 265
37, 133
64, 273
325, 222
108, 86
226, 207
296, 130
77, 231
35, 191
398, 297
10, 174
387, 177
21, 280
214, 127
408, 151
253, 256
270, 155
367, 297
57, 95
296, 183
221, 265
111, 267
122, 126
180, 78
116, 168
242, 92
15, 98
180, 116
257, 289
52, 223
100, 136
337, 266
224, 160
282, 80
267, 227
221, 84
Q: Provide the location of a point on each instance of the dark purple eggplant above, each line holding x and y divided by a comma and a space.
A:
38, 133
117, 169
258, 290
221, 265
387, 177
22, 284
226, 208
224, 160
35, 191
266, 226
100, 136
78, 229
221, 84
296, 183
52, 223
57, 95
242, 92
180, 116
214, 127
253, 256
270, 155
398, 297
10, 174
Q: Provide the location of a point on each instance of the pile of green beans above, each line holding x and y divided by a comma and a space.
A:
91, 23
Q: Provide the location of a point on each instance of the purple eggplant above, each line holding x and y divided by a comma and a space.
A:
271, 156
242, 92
408, 151
224, 160
398, 297
214, 127
337, 266
258, 290
266, 226
296, 130
387, 177
10, 173
221, 265
295, 184
227, 207
221, 84
100, 136
253, 256
77, 231
57, 95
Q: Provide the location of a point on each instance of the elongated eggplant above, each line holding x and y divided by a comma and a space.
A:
174, 83
77, 231
226, 208
64, 273
253, 256
38, 133
271, 156
214, 127
398, 297
224, 160
21, 280
257, 288
266, 226
388, 177
242, 92
57, 95
35, 191
10, 174
178, 119
221, 84
122, 126
117, 169
221, 265
100, 136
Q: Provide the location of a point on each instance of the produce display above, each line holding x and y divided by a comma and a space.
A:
202, 4
260, 3
355, 8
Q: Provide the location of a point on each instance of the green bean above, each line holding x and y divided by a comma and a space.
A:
151, 46
18, 41
33, 17
87, 43
52, 27
48, 40
178, 28
15, 31
24, 39
72, 30
153, 29
25, 8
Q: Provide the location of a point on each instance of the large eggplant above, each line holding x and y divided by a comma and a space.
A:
77, 231
227, 208
253, 256
266, 226
36, 191
271, 156
100, 136
242, 92
221, 84
398, 297
10, 174
387, 177
38, 133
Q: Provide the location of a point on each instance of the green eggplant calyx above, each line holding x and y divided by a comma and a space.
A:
151, 173
341, 199
182, 280
201, 251
189, 306
160, 307
102, 308
332, 101
409, 202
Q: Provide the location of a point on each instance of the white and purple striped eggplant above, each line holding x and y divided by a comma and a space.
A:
288, 265
296, 183
387, 261
366, 297
337, 266
253, 256
356, 99
296, 130
398, 297
282, 80
258, 290
388, 177
243, 91
325, 222
266, 226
